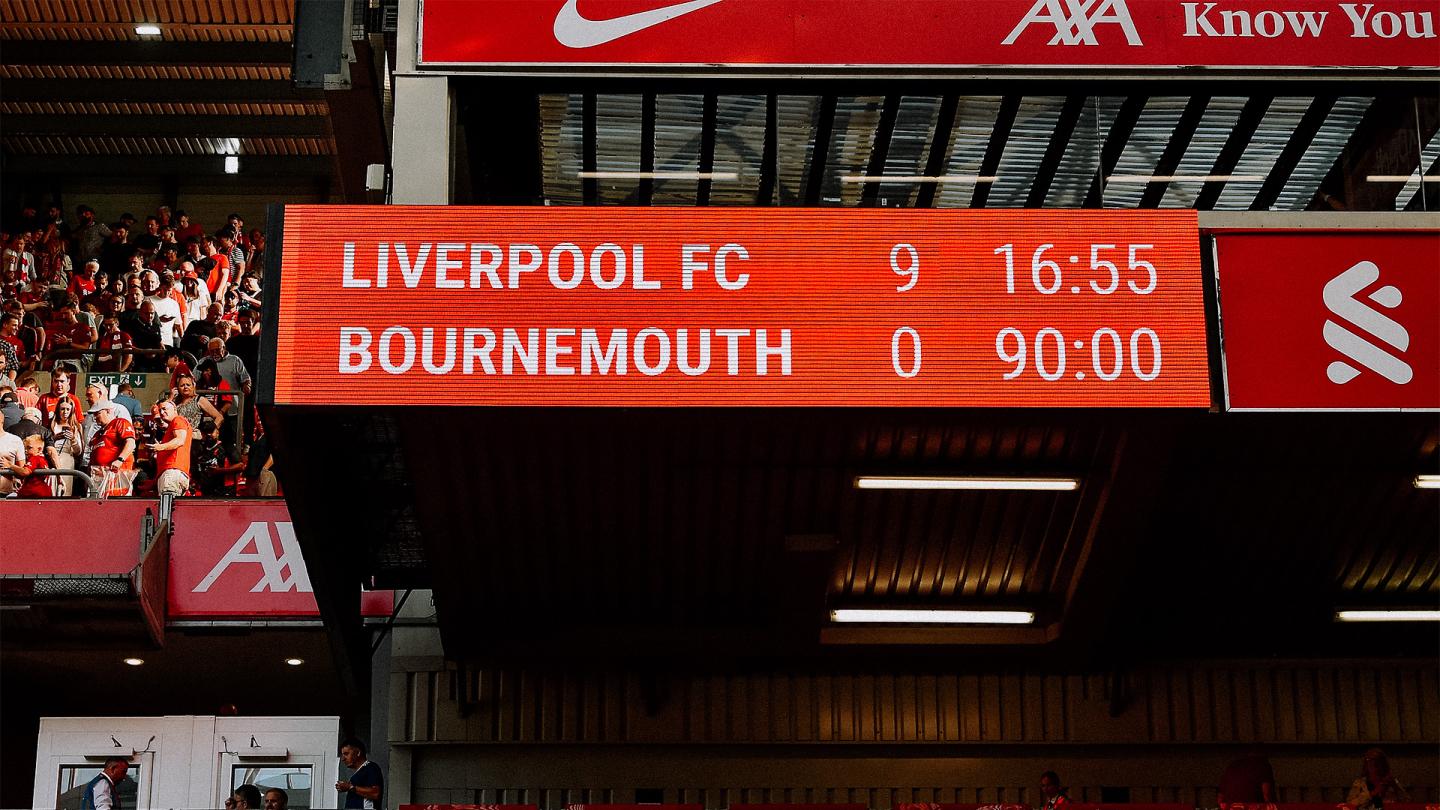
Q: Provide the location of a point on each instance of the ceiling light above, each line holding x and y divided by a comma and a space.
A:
858, 616
1185, 178
965, 482
232, 164
1427, 482
148, 30
1387, 615
1402, 178
294, 662
134, 662
920, 178
659, 175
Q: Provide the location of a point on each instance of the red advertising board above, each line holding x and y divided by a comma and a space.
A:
740, 307
929, 33
1339, 320
71, 537
239, 559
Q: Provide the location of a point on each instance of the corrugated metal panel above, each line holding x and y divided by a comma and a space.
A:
909, 147
677, 146
561, 137
272, 73
1276, 128
1081, 160
180, 20
1142, 151
1352, 702
795, 121
1216, 124
1025, 150
1325, 149
851, 140
143, 108
617, 144
739, 145
974, 123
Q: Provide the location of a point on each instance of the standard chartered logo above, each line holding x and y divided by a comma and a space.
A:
1340, 299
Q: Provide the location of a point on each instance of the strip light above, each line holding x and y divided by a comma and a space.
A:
1182, 178
659, 175
232, 164
859, 616
1427, 482
921, 178
1402, 178
147, 30
1387, 615
966, 482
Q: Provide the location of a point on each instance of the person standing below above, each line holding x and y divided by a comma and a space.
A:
277, 799
1053, 792
1248, 780
172, 452
103, 792
365, 789
1376, 784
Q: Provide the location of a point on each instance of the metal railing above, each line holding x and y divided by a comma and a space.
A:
91, 490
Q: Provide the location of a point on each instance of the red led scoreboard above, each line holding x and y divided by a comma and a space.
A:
746, 307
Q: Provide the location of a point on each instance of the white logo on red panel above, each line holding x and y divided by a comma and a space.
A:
575, 31
1340, 298
273, 569
1074, 21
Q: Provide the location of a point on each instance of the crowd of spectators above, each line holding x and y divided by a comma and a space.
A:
162, 296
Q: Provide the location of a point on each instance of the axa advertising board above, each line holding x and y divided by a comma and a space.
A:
1338, 320
929, 33
240, 559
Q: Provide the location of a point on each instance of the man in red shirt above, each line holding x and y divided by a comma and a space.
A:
60, 382
112, 449
116, 345
83, 283
219, 279
172, 452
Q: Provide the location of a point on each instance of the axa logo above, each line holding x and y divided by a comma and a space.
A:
278, 574
1341, 299
1074, 21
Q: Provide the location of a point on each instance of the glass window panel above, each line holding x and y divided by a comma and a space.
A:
856, 119
74, 778
909, 147
293, 779
795, 118
617, 144
1144, 148
1024, 151
974, 124
1215, 127
1276, 129
1322, 153
739, 147
562, 124
677, 146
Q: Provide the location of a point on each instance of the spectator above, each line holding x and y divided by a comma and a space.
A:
164, 216
213, 471
1053, 792
1248, 780
60, 383
191, 406
32, 423
365, 789
125, 398
27, 390
231, 369
17, 259
228, 245
255, 254
249, 293
10, 410
144, 331
218, 281
84, 282
34, 486
12, 451
167, 311
276, 799
103, 792
54, 261
114, 346
245, 342
1376, 784
197, 296
69, 443
8, 367
96, 393
10, 343
149, 242
247, 797
116, 254
185, 230
196, 339
172, 452
70, 332
89, 236
112, 450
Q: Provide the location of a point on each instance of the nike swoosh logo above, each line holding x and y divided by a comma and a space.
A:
575, 31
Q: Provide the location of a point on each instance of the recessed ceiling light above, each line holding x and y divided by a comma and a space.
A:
148, 30
900, 616
294, 662
134, 662
1387, 615
966, 482
1427, 482
232, 164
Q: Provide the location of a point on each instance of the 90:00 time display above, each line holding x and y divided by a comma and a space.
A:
1108, 353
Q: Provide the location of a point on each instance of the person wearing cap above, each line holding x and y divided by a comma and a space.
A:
32, 423
96, 393
10, 408
1376, 786
112, 449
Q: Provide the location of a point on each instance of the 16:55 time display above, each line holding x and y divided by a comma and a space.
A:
1104, 275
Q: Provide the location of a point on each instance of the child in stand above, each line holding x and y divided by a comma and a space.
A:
35, 486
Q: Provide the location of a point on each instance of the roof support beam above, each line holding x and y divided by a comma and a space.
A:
646, 190
1250, 117
177, 126
1055, 152
939, 150
1004, 120
590, 187
163, 165
1115, 140
710, 112
132, 54
155, 90
1289, 157
879, 150
824, 126
1175, 150
769, 157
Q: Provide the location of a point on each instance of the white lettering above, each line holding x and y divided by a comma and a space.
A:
412, 272
1269, 24
444, 263
597, 266
427, 351
1074, 21
682, 353
613, 354
732, 348
641, 363
510, 345
763, 352
481, 266
1358, 20
387, 338
482, 352
1195, 22
1306, 23
1231, 29
723, 280
689, 265
347, 269
577, 266
553, 350
382, 265
272, 567
517, 266
1386, 24
638, 267
351, 349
